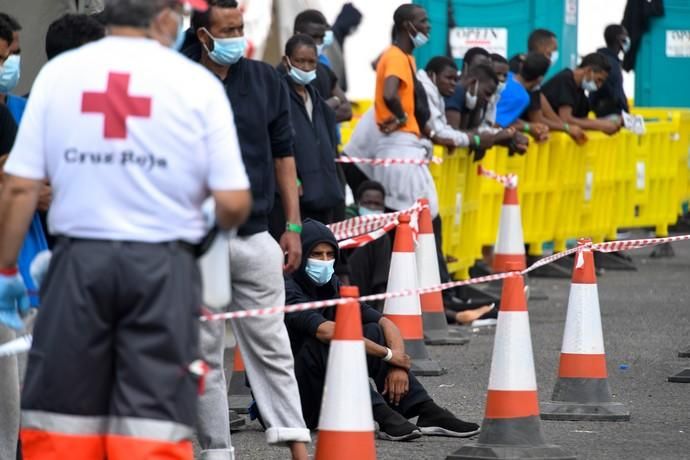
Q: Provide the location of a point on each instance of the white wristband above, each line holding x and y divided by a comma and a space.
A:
389, 355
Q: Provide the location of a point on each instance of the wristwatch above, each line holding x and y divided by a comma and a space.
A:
402, 120
294, 228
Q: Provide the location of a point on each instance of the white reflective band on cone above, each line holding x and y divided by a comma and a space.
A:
427, 262
583, 334
403, 275
510, 239
347, 380
512, 365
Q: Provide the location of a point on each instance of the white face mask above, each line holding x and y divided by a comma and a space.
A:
501, 86
589, 85
471, 99
554, 57
418, 39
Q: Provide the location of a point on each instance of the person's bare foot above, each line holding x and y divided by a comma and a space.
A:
299, 451
467, 316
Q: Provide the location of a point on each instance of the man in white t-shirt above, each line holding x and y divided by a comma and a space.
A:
131, 155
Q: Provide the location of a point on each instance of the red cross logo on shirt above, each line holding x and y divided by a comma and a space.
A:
116, 105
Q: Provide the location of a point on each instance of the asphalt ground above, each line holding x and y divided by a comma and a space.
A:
646, 321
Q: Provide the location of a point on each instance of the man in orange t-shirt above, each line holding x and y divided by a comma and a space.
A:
394, 101
394, 108
395, 67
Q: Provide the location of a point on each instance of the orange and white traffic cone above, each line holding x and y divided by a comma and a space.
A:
511, 427
510, 244
346, 423
582, 390
406, 311
239, 396
436, 330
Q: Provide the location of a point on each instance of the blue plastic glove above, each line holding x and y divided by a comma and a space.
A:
13, 300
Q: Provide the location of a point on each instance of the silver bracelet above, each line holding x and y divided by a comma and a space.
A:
389, 355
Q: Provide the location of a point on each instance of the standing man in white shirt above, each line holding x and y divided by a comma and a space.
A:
131, 155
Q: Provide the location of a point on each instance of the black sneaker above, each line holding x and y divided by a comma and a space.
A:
393, 426
436, 421
236, 421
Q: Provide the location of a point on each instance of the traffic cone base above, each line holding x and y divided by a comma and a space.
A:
583, 399
437, 332
681, 377
514, 438
422, 364
582, 389
239, 395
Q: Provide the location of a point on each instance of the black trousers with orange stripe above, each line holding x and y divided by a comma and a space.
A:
310, 370
107, 375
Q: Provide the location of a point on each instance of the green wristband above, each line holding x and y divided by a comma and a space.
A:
299, 182
566, 127
294, 228
477, 139
526, 128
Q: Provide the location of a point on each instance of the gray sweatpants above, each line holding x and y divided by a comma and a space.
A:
9, 399
257, 282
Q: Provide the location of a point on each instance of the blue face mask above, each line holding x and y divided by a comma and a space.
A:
227, 51
589, 85
320, 271
180, 37
625, 44
301, 77
419, 39
328, 39
363, 211
10, 74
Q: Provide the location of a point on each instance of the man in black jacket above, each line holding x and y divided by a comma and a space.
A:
399, 395
314, 129
259, 99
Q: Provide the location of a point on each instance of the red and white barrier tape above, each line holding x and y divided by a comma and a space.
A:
508, 180
603, 247
23, 343
362, 240
387, 161
624, 245
360, 225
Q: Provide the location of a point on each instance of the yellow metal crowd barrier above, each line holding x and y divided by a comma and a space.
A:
566, 190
